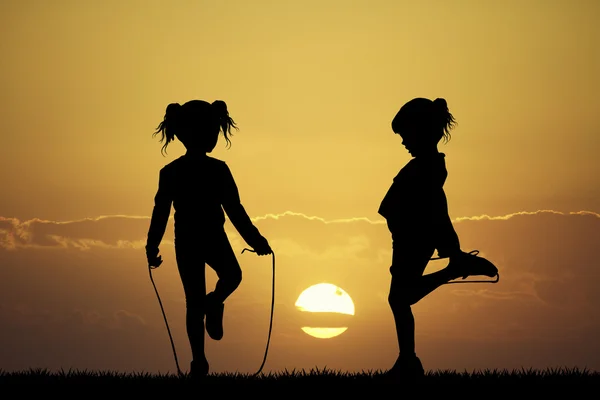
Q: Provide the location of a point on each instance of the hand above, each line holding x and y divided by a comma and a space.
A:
155, 262
263, 248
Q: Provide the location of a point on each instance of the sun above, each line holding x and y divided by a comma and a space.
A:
325, 298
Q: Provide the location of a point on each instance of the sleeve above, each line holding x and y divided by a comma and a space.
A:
235, 211
160, 213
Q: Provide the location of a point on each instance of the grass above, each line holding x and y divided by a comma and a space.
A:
560, 376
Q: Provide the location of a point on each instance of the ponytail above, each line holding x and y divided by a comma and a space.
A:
179, 119
443, 118
219, 108
168, 126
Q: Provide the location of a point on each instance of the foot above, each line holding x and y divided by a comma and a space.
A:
198, 369
406, 368
468, 264
214, 317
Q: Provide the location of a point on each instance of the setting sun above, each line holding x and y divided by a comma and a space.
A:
313, 89
325, 298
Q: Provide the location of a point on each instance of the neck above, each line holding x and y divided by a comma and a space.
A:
195, 152
427, 152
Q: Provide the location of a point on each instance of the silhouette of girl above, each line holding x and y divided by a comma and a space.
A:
416, 210
201, 189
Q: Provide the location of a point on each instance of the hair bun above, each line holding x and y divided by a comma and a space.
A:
440, 103
172, 110
220, 108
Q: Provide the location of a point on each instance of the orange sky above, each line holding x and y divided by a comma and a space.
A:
313, 86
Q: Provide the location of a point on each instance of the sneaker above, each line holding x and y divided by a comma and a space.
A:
470, 263
198, 369
406, 368
214, 317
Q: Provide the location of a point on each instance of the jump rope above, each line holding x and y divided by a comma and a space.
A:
180, 373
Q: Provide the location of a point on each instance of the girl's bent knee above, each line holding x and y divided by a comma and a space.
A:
235, 278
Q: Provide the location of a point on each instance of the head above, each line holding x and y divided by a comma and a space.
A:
422, 123
196, 124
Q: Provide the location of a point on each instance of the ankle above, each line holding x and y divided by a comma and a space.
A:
455, 268
452, 271
199, 367
211, 298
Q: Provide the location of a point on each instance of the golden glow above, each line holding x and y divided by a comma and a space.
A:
313, 158
325, 298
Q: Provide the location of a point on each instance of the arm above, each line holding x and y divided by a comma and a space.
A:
238, 216
446, 239
160, 216
447, 242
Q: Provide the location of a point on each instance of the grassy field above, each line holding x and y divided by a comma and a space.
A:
551, 377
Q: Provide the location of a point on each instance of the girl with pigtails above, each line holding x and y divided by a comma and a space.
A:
201, 190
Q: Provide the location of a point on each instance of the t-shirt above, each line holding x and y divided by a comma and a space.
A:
415, 206
201, 190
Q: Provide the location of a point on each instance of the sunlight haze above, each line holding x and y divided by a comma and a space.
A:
313, 87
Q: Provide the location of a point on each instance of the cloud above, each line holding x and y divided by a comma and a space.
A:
104, 231
315, 218
119, 230
521, 213
86, 281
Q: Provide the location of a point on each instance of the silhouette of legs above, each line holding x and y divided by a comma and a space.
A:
410, 290
408, 286
192, 257
221, 258
191, 268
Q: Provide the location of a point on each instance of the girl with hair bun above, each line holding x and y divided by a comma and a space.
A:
416, 211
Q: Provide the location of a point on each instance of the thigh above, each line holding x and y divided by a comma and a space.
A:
409, 260
220, 255
191, 265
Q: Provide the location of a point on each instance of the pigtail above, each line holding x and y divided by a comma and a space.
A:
168, 126
444, 119
225, 121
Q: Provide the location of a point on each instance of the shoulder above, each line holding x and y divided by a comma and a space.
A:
216, 161
171, 166
217, 165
